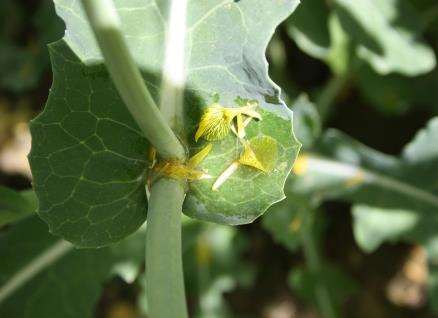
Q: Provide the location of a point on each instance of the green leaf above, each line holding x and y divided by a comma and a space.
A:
16, 205
89, 157
68, 285
387, 33
317, 31
374, 225
308, 26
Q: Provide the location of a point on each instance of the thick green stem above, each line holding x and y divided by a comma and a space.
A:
323, 299
128, 80
164, 272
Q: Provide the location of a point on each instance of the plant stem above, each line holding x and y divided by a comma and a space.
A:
128, 80
164, 270
164, 273
314, 263
344, 171
40, 263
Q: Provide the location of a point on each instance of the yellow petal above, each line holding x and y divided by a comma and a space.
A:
177, 170
196, 159
260, 153
215, 123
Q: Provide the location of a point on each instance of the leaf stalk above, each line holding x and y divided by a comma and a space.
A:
127, 78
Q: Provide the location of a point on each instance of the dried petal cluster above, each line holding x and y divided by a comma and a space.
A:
216, 121
260, 152
178, 170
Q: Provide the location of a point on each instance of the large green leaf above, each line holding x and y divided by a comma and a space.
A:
68, 285
88, 156
309, 28
388, 35
317, 31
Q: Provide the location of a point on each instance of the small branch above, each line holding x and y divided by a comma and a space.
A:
40, 263
106, 25
347, 173
164, 272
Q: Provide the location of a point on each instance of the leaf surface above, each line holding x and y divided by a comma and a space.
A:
89, 157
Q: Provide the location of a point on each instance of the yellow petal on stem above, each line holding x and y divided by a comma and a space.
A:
196, 159
260, 153
177, 170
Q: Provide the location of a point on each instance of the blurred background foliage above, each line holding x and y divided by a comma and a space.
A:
357, 234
